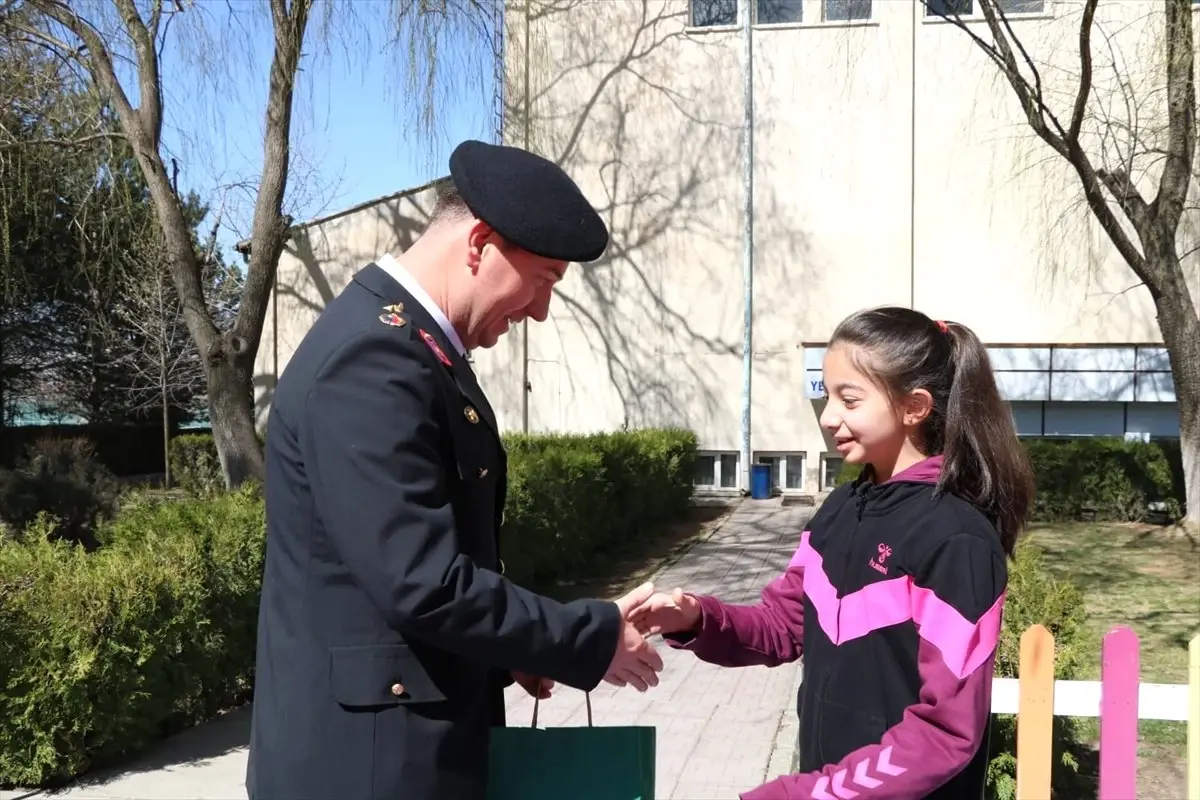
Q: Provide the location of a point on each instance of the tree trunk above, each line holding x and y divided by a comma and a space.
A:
231, 409
1189, 442
166, 423
1180, 327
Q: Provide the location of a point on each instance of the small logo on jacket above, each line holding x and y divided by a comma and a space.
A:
878, 564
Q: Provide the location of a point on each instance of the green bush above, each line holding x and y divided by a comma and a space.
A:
1034, 598
103, 653
1101, 478
63, 479
571, 498
1105, 478
195, 466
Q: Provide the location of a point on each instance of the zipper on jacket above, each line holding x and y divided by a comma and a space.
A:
860, 503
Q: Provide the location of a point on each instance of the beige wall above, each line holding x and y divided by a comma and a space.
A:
892, 165
318, 261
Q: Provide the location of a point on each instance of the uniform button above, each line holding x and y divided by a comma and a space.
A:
397, 689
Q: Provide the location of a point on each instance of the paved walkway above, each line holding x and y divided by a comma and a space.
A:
719, 731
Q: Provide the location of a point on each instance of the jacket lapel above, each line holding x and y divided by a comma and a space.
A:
374, 279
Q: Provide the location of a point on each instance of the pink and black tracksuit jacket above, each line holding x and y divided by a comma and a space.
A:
893, 600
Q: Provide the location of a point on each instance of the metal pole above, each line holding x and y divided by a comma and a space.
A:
525, 387
748, 232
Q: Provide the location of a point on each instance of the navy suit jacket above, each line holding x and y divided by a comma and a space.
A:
386, 628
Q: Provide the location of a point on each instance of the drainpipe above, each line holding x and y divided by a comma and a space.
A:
525, 387
748, 232
912, 165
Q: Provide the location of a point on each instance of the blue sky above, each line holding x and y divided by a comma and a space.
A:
354, 135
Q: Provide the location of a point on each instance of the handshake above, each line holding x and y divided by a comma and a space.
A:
644, 612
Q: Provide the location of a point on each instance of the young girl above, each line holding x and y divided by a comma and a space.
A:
895, 594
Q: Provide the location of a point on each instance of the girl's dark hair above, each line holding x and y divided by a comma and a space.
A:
970, 425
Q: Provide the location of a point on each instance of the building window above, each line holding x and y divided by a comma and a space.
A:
967, 8
1078, 374
1076, 420
948, 8
831, 465
779, 12
716, 471
787, 470
1022, 6
1027, 418
713, 13
849, 10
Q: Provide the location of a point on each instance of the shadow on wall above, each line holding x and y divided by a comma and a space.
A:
318, 261
649, 119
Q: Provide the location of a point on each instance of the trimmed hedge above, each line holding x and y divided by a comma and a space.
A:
572, 498
1106, 478
103, 653
195, 466
1099, 478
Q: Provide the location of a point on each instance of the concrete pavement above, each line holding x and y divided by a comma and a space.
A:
719, 732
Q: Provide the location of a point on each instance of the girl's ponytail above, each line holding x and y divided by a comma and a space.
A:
970, 424
983, 461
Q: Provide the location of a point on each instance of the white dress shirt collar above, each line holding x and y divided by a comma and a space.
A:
402, 276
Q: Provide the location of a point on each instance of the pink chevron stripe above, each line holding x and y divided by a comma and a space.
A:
819, 792
885, 764
862, 778
964, 645
875, 606
799, 556
839, 788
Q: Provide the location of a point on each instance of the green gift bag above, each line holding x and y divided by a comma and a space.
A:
615, 763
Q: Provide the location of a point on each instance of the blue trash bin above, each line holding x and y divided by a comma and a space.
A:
760, 481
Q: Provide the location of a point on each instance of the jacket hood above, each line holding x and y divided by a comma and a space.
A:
878, 498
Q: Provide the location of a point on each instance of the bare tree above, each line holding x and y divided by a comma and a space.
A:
87, 40
1137, 169
97, 36
159, 359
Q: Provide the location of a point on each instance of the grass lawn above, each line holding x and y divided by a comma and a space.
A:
1145, 577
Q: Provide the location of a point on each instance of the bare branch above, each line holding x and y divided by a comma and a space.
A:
1121, 187
270, 226
149, 81
1181, 116
81, 141
1085, 70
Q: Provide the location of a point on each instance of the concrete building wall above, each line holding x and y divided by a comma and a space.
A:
892, 165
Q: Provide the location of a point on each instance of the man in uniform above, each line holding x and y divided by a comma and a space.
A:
387, 629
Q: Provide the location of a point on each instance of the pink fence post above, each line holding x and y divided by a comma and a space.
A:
1119, 675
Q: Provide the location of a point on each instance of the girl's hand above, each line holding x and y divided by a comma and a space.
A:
666, 613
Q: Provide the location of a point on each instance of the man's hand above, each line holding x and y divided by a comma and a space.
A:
536, 687
666, 613
635, 662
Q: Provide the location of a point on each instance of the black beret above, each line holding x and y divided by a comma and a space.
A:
528, 200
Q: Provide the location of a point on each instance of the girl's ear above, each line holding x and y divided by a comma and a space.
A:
918, 405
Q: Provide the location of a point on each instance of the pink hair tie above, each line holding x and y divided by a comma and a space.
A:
942, 326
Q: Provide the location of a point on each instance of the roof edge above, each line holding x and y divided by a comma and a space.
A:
243, 246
